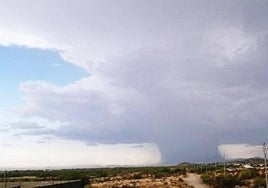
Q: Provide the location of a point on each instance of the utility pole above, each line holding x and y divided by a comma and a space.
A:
5, 181
265, 162
224, 166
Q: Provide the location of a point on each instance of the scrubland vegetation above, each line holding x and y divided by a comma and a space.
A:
236, 174
247, 174
106, 177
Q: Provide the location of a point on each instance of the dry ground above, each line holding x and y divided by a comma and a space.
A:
195, 181
119, 182
30, 184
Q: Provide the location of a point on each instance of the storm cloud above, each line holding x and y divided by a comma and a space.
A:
186, 75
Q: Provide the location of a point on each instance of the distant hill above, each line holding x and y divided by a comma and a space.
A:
185, 164
255, 160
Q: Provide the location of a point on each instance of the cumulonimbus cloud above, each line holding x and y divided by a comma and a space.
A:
181, 77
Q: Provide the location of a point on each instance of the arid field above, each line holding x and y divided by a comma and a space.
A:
143, 182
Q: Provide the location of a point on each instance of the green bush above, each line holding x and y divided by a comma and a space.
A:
208, 179
248, 174
165, 170
221, 181
258, 182
137, 176
227, 181
85, 181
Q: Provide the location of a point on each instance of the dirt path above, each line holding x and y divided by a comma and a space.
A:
195, 181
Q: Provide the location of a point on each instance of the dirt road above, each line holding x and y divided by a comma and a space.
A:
195, 181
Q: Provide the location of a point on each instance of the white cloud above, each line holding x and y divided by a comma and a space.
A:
152, 92
10, 37
58, 153
238, 151
25, 125
189, 70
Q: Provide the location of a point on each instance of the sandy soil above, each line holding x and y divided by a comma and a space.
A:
119, 182
195, 181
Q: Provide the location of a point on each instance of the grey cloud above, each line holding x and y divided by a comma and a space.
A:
3, 129
187, 75
25, 125
45, 131
171, 105
138, 146
43, 139
97, 29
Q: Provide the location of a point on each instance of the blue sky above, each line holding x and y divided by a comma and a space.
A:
20, 64
132, 82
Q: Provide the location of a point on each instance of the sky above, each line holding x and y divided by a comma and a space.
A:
101, 82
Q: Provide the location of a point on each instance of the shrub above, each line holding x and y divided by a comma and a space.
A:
84, 181
227, 181
248, 174
208, 179
137, 176
259, 182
